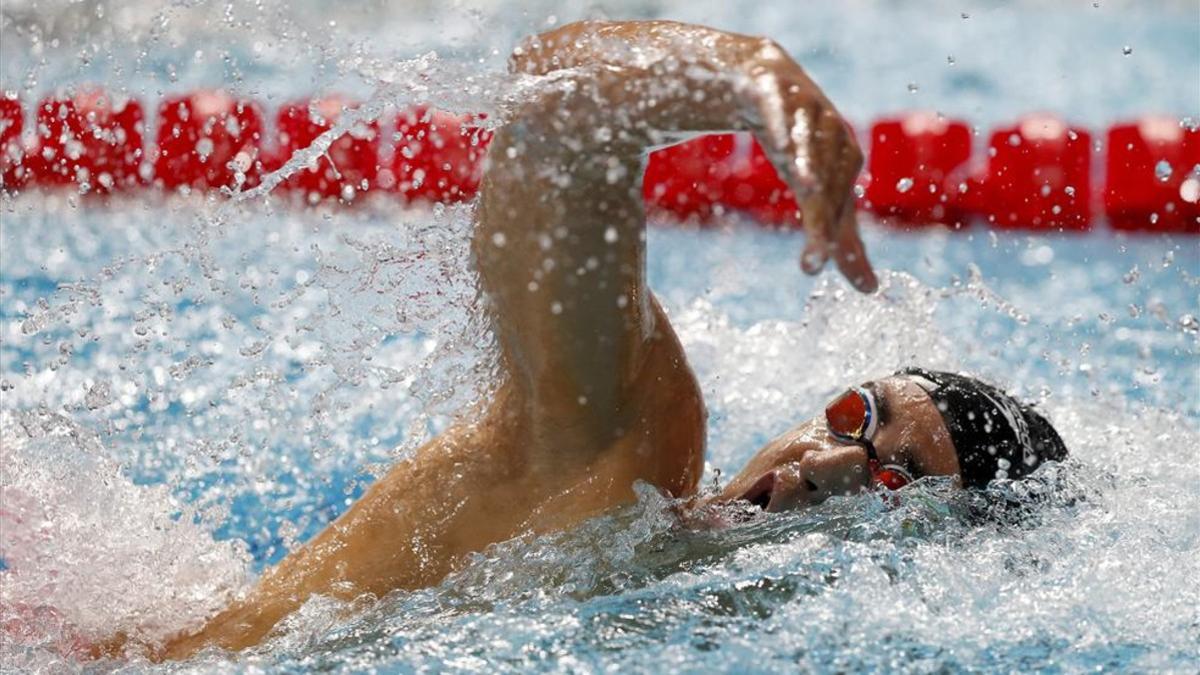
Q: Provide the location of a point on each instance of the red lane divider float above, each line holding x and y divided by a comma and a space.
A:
1038, 176
439, 156
1153, 176
706, 176
208, 140
12, 123
1037, 173
910, 161
92, 140
351, 164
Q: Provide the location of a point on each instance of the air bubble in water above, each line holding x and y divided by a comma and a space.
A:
904, 184
1127, 50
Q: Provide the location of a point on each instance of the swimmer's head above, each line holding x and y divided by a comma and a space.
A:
885, 433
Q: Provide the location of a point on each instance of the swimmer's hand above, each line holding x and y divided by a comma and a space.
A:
813, 149
805, 136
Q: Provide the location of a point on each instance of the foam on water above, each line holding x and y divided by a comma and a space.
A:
82, 540
193, 386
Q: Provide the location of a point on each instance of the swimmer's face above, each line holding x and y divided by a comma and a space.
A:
807, 464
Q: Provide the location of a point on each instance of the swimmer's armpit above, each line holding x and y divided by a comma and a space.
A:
702, 79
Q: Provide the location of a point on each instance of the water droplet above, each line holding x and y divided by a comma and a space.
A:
98, 395
556, 307
1132, 275
904, 184
859, 191
1127, 50
913, 88
950, 59
610, 235
204, 148
499, 240
1162, 170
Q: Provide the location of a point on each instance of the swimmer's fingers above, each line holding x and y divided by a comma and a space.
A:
795, 157
851, 255
825, 162
816, 252
835, 162
815, 152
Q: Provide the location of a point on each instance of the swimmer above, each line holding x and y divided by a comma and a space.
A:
598, 393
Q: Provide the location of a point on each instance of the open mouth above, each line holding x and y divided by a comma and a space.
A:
760, 493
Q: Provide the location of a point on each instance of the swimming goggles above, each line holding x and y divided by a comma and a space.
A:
853, 417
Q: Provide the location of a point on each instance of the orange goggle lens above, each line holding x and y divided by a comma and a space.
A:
890, 476
847, 414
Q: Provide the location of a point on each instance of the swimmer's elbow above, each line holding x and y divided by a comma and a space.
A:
521, 60
544, 52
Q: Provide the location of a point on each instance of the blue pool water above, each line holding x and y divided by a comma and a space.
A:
190, 391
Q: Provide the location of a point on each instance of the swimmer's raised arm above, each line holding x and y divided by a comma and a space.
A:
689, 78
597, 393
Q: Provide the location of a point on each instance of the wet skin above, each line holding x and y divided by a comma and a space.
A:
806, 464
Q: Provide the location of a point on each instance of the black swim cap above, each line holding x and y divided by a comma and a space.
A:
994, 435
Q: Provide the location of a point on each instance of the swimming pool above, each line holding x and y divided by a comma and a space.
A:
191, 371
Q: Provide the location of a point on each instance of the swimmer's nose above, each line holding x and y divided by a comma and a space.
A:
834, 471
815, 478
